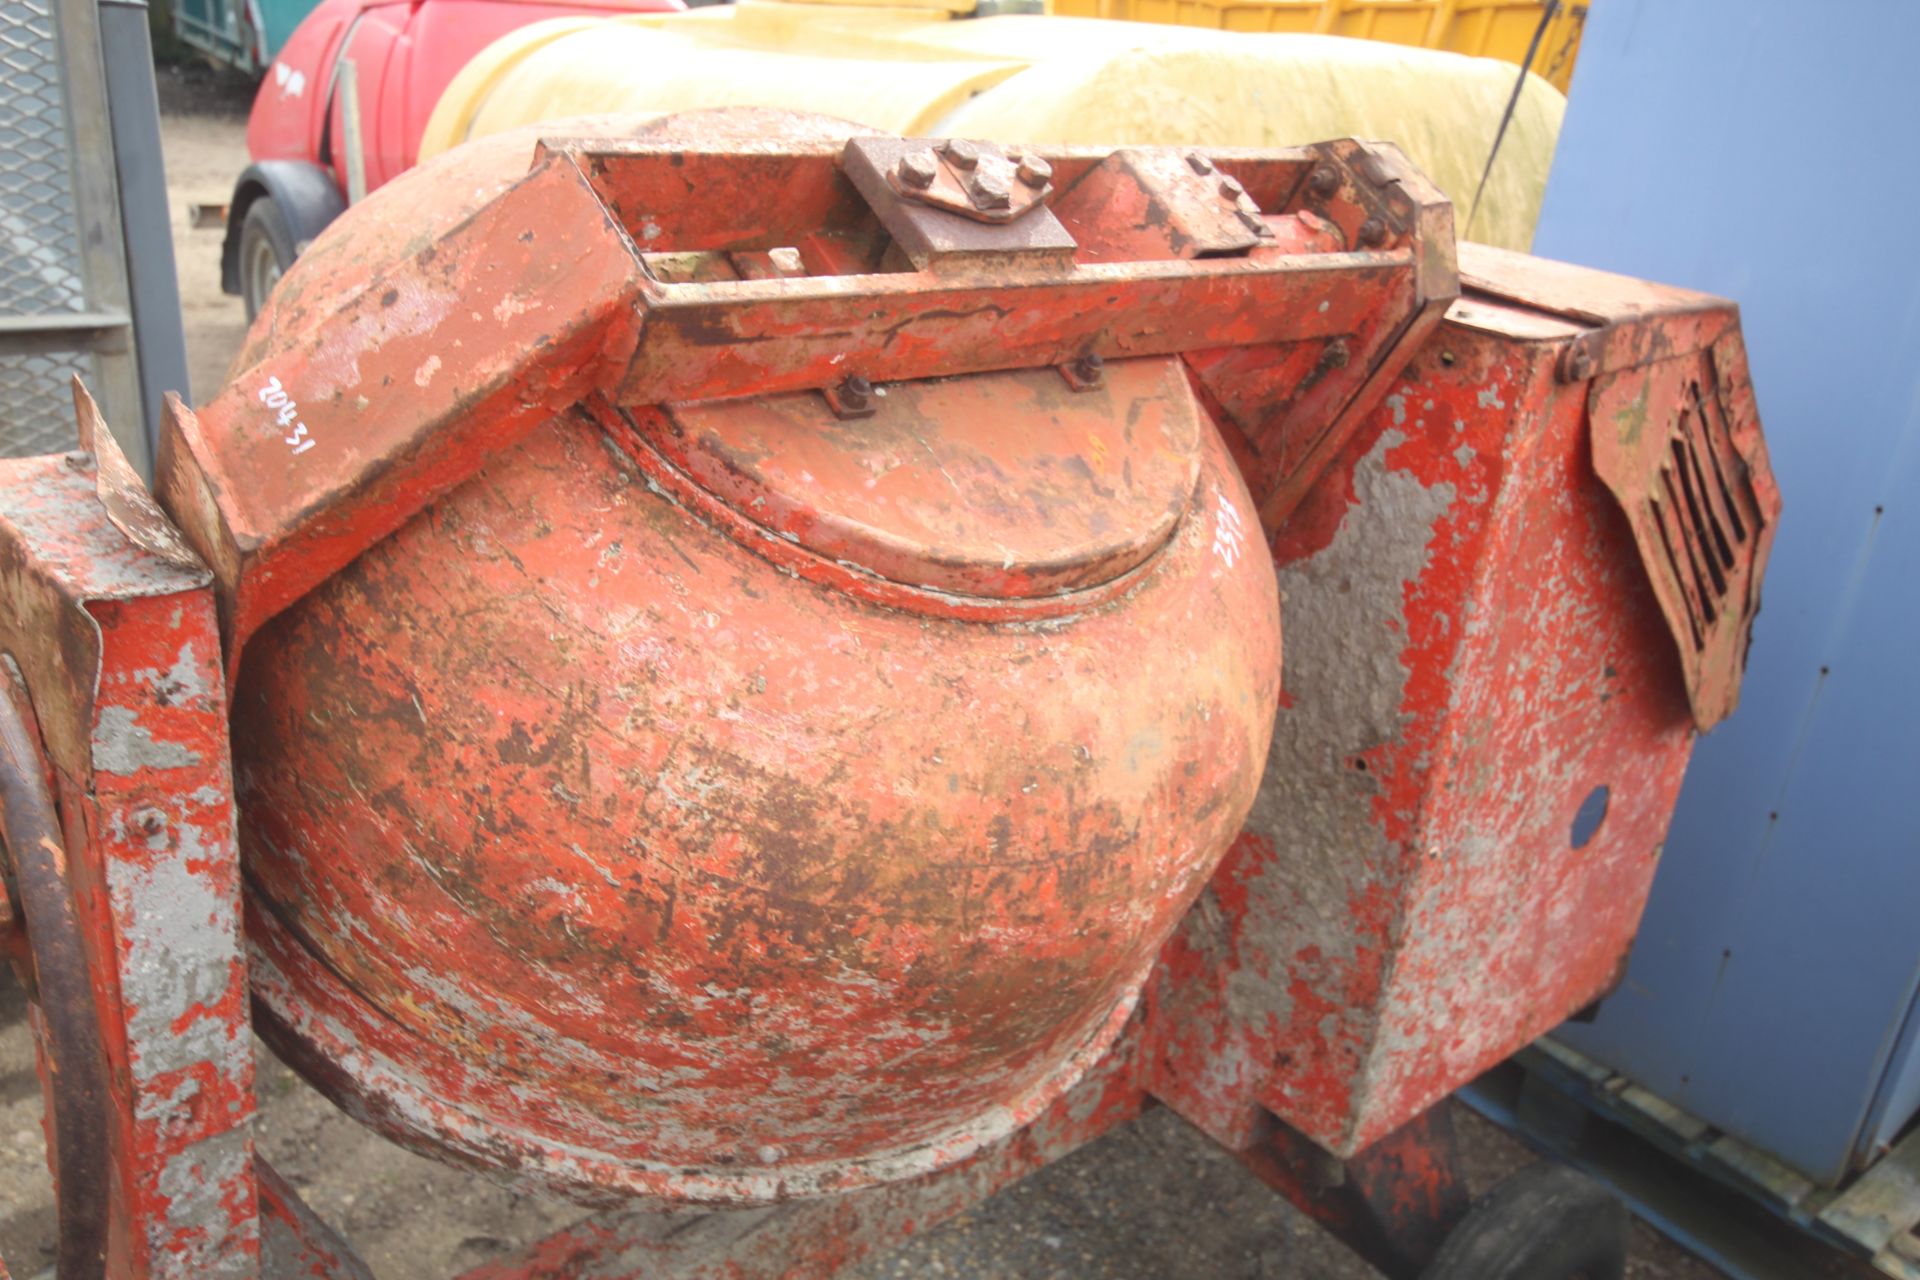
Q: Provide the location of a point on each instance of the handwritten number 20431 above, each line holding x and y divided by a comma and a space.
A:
287, 414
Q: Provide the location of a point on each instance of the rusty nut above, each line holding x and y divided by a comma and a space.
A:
1578, 364
989, 190
1034, 171
960, 153
917, 170
1323, 182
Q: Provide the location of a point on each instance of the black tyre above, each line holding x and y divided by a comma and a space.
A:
266, 251
1546, 1222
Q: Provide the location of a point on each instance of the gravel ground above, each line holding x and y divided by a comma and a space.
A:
1152, 1201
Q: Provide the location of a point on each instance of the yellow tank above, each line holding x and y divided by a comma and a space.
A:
928, 70
1518, 31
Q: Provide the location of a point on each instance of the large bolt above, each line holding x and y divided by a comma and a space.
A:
1034, 171
1323, 182
917, 170
1578, 365
1088, 367
1230, 187
856, 392
1373, 233
961, 154
989, 190
1199, 163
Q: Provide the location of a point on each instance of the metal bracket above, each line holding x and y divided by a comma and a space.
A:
940, 204
976, 180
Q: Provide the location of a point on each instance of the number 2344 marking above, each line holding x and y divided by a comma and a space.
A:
287, 414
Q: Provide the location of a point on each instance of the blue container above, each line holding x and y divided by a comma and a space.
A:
1770, 152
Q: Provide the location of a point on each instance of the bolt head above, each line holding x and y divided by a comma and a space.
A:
989, 190
1034, 171
1373, 233
1087, 368
856, 390
917, 170
1323, 182
1199, 163
1230, 188
960, 153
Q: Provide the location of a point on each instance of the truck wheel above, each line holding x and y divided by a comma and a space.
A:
1545, 1222
266, 251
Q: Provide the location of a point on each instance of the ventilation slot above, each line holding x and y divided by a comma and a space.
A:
1702, 514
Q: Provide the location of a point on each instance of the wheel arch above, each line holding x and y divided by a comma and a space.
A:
307, 197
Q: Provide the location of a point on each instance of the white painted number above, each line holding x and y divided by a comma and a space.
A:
287, 415
1227, 533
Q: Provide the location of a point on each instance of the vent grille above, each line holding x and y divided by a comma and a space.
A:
1705, 514
1678, 442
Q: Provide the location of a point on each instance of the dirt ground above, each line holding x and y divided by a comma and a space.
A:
1154, 1201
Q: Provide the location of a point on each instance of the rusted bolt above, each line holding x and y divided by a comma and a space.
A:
1085, 371
917, 170
1199, 163
1254, 223
989, 190
960, 153
1323, 182
1374, 169
1034, 171
1578, 364
1373, 233
852, 397
150, 822
1230, 187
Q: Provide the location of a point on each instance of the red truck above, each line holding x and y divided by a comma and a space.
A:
342, 110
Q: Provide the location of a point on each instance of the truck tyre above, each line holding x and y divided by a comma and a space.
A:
1545, 1222
266, 251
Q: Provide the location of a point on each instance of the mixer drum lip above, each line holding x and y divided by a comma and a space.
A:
318, 1025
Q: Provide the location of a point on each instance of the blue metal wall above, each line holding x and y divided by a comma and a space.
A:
1770, 152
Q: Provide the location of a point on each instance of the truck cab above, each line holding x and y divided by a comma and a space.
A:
342, 108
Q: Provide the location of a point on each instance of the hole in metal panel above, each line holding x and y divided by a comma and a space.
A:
1587, 819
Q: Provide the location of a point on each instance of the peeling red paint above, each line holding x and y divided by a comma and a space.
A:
1475, 651
133, 715
654, 792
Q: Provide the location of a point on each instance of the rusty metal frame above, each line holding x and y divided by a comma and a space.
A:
59, 979
110, 624
300, 465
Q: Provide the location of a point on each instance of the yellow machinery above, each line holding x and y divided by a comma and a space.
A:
939, 69
1504, 29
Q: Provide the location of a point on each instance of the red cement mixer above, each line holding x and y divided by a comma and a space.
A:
715, 661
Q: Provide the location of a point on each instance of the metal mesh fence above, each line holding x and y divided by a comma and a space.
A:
40, 267
42, 272
36, 401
